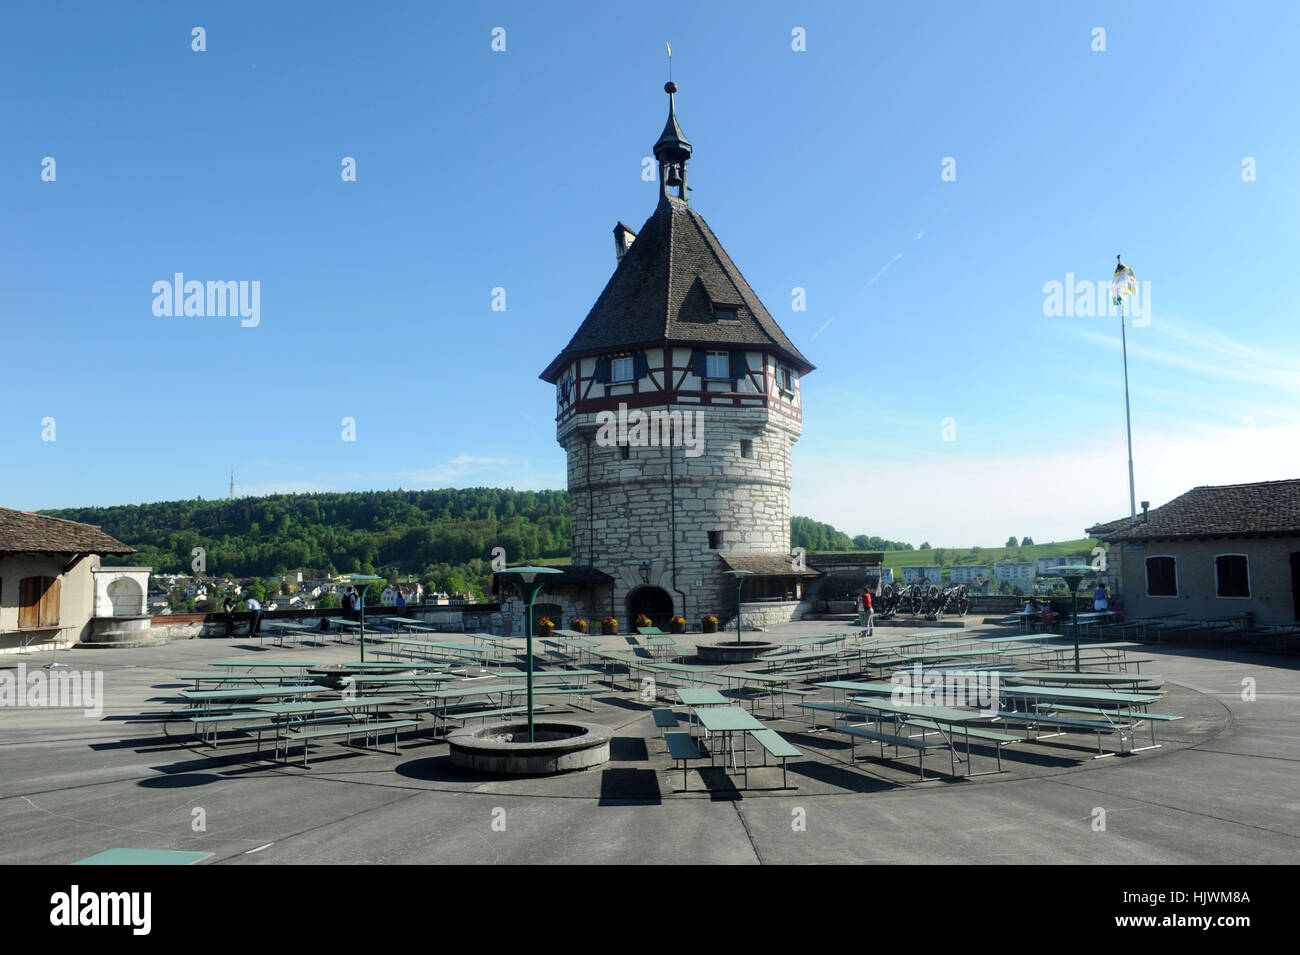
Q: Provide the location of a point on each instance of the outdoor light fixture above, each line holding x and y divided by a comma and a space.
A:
645, 571
740, 576
364, 580
526, 582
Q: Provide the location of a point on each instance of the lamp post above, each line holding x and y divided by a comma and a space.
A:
740, 576
364, 580
525, 581
1074, 574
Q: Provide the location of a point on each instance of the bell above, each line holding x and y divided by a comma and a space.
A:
674, 175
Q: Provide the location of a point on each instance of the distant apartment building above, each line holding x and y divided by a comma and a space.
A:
1044, 565
1014, 571
966, 573
932, 574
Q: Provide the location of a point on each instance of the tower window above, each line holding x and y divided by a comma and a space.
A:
725, 313
621, 369
718, 365
715, 540
746, 448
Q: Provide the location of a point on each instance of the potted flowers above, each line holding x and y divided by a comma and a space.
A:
545, 626
677, 625
578, 624
609, 626
643, 621
709, 623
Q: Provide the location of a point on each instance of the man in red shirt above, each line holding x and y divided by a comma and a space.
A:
868, 611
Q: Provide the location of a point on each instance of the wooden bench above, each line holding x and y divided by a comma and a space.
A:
776, 746
682, 748
920, 744
368, 729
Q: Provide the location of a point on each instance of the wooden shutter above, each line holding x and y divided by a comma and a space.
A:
699, 366
50, 602
638, 366
29, 601
602, 370
737, 367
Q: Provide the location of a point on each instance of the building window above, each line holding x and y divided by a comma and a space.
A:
566, 387
624, 451
621, 369
726, 313
715, 540
746, 448
786, 378
1162, 577
1232, 572
717, 365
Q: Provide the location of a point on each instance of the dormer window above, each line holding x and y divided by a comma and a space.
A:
726, 313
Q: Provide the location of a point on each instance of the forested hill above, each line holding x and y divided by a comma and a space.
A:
424, 533
353, 532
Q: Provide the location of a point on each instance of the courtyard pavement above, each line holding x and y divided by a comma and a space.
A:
1222, 789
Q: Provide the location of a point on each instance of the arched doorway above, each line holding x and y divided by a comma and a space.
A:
654, 602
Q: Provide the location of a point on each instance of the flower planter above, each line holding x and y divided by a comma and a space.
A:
609, 629
675, 627
709, 626
578, 626
544, 632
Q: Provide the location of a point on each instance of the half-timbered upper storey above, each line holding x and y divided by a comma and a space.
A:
677, 321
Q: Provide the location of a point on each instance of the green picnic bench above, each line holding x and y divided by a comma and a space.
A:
682, 748
776, 746
970, 732
920, 744
374, 727
1036, 720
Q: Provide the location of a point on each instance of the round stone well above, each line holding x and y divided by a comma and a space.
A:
742, 651
503, 748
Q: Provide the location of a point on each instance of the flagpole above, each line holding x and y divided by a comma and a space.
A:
1128, 421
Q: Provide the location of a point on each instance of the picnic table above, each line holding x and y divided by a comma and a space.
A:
412, 623
945, 720
1083, 678
283, 715
726, 721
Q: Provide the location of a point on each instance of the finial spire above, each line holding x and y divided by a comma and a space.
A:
672, 150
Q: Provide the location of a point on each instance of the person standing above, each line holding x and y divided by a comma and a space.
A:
868, 612
229, 608
255, 608
401, 601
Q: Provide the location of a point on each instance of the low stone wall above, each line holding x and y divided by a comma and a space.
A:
771, 613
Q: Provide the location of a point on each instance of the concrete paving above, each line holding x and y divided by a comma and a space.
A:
1221, 790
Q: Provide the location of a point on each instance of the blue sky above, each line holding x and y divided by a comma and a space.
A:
818, 169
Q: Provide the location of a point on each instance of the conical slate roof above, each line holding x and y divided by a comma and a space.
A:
665, 290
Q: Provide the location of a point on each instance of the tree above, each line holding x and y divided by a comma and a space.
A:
925, 545
1026, 542
939, 554
1011, 542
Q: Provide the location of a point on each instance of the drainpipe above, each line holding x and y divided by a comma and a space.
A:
672, 490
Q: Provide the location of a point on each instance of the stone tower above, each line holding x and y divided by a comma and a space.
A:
678, 404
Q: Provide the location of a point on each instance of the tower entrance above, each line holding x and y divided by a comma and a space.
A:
654, 602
